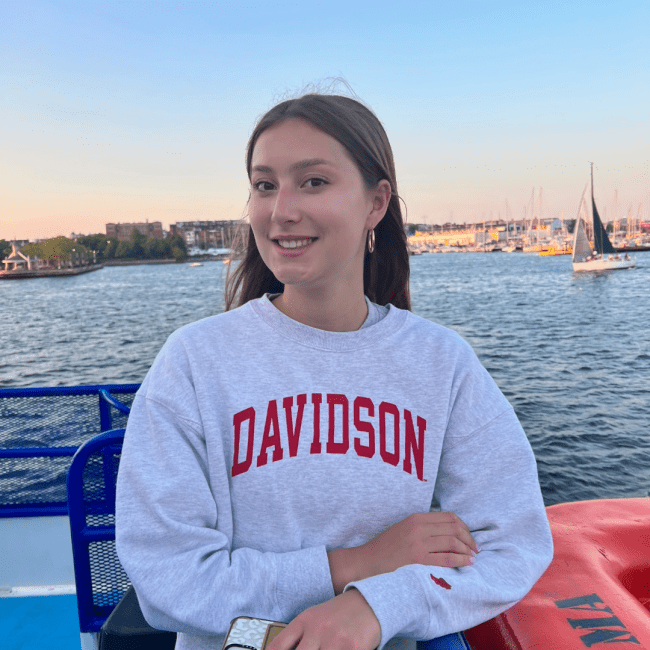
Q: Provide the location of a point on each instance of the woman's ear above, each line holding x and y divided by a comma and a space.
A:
380, 201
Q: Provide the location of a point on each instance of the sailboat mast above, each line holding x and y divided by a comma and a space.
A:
615, 215
593, 228
597, 246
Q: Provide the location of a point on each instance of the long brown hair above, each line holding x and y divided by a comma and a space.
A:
356, 127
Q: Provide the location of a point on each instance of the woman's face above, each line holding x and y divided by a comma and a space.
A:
310, 210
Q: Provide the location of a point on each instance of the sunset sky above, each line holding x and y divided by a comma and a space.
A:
131, 110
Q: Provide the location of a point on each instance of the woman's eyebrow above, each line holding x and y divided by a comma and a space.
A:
301, 164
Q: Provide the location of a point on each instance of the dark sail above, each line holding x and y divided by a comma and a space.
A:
602, 245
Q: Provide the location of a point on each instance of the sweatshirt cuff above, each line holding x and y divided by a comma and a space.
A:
397, 599
304, 580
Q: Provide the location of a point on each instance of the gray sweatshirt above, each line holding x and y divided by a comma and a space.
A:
256, 444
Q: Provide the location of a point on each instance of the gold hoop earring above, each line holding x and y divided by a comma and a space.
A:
371, 241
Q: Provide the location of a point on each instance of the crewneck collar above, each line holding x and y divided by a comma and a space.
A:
324, 339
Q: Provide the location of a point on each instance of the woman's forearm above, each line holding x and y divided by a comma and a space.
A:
345, 567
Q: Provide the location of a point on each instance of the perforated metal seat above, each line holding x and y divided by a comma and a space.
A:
103, 588
101, 581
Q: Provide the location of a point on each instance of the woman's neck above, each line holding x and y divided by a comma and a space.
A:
324, 311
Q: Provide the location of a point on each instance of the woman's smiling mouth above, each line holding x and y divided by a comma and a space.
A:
295, 243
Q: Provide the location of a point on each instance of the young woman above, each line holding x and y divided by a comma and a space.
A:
317, 454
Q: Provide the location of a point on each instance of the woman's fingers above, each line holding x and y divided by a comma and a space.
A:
450, 525
346, 622
449, 559
445, 539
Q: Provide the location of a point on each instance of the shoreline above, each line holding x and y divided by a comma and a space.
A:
65, 272
138, 262
49, 273
188, 260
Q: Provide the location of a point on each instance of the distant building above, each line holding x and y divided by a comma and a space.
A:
123, 231
206, 234
17, 261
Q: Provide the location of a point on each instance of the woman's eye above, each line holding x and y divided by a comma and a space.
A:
316, 182
263, 186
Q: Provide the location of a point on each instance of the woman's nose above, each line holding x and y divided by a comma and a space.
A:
286, 206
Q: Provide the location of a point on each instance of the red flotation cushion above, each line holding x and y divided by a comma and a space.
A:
595, 593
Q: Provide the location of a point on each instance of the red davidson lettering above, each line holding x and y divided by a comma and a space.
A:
349, 427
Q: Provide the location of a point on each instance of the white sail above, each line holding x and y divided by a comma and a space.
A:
581, 247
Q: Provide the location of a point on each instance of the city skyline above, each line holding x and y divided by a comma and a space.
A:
127, 112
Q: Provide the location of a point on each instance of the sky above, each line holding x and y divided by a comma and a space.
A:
117, 111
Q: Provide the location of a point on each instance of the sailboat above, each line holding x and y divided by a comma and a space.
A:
603, 257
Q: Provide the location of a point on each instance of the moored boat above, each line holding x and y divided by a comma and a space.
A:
552, 251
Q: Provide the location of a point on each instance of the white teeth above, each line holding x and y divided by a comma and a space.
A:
294, 243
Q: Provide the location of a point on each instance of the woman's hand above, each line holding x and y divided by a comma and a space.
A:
345, 622
431, 538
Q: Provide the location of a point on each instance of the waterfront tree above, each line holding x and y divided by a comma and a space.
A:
97, 243
178, 254
124, 250
138, 241
176, 247
57, 249
111, 248
155, 249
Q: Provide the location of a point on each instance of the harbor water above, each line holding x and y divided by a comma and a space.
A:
571, 352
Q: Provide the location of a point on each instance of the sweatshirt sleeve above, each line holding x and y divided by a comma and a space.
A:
489, 479
169, 536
